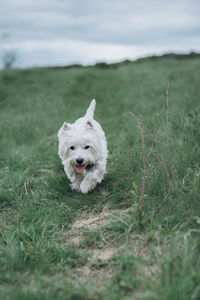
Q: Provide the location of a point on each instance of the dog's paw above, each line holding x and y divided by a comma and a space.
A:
75, 187
87, 186
84, 188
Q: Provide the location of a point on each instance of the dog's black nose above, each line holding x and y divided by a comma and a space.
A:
79, 161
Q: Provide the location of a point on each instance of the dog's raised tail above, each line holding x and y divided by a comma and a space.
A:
90, 110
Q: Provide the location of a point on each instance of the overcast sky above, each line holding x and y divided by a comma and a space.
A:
60, 32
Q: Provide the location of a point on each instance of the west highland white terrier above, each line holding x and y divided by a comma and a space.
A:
83, 151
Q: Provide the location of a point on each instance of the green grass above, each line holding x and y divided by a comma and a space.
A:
44, 252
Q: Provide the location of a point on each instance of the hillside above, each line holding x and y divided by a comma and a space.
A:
59, 244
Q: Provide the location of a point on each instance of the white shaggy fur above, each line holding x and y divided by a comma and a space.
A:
83, 151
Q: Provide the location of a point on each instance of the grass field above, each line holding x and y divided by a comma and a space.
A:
59, 244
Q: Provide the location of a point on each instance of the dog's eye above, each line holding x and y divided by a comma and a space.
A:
72, 147
86, 147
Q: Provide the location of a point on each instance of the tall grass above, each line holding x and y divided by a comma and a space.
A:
38, 257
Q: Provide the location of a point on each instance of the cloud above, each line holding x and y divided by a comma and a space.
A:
65, 51
87, 31
104, 21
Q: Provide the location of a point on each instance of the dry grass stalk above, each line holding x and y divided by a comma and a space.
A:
166, 163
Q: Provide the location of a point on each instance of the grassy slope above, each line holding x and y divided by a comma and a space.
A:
38, 258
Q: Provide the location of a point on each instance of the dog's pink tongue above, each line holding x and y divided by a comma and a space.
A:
79, 169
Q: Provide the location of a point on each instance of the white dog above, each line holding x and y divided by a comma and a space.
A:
83, 151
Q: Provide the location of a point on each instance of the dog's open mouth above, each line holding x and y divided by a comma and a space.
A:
80, 168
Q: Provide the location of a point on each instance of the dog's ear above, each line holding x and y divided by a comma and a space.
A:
66, 126
89, 125
63, 129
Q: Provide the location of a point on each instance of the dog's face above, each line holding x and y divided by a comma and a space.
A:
78, 146
80, 154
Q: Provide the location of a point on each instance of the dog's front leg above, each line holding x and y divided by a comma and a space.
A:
75, 186
74, 178
89, 182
